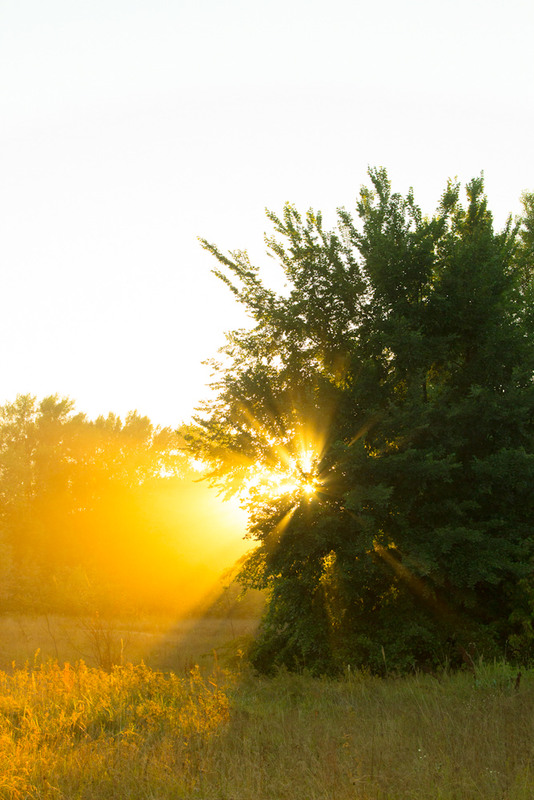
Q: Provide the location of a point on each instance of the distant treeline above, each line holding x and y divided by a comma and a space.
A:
99, 515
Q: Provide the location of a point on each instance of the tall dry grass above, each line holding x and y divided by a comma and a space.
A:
78, 733
85, 733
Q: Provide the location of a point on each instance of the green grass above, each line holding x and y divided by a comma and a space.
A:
134, 733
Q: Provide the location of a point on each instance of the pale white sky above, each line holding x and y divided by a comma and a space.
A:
130, 127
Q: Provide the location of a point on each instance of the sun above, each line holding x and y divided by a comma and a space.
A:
293, 476
309, 489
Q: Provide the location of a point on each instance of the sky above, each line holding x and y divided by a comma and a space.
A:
129, 128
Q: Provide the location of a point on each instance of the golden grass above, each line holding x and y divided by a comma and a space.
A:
80, 733
85, 733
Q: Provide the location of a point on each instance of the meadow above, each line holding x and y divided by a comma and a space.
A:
162, 642
219, 732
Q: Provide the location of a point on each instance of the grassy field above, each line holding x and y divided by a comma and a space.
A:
134, 732
163, 643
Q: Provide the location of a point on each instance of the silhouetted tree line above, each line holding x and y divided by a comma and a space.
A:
80, 529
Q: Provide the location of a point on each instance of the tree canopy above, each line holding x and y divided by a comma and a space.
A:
378, 419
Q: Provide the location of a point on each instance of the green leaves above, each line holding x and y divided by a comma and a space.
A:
404, 346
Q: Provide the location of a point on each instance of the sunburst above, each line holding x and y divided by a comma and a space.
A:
293, 476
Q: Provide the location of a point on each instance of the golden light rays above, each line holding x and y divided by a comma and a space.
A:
365, 429
270, 458
278, 530
293, 463
400, 569
277, 455
294, 476
424, 593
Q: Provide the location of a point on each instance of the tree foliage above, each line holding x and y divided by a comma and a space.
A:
393, 373
74, 517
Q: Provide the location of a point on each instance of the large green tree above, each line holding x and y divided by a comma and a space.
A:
391, 382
